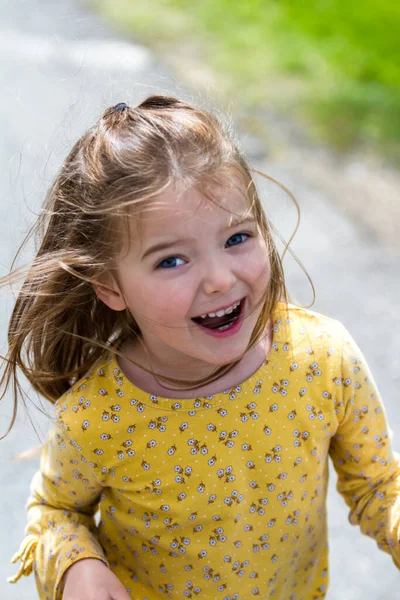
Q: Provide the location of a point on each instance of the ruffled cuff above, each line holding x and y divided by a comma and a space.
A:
52, 552
64, 565
26, 554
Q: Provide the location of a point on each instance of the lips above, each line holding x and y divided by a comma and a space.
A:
221, 319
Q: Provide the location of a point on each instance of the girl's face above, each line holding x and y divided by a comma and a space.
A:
190, 257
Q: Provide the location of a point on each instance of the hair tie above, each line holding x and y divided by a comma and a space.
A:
120, 107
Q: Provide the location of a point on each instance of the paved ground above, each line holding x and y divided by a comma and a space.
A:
59, 66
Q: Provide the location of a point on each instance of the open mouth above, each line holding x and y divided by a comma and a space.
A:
222, 320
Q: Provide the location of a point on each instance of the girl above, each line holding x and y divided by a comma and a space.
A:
195, 407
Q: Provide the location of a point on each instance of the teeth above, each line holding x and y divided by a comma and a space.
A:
224, 327
221, 313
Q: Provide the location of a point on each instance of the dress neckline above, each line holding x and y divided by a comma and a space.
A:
137, 396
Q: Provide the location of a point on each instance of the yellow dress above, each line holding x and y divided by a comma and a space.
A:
220, 497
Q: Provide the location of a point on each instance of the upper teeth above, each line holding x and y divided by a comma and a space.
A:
221, 313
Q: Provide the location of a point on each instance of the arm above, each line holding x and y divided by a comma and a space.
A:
61, 507
368, 469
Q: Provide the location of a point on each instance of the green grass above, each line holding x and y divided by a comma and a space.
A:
333, 64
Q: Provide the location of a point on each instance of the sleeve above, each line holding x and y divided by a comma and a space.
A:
61, 529
368, 469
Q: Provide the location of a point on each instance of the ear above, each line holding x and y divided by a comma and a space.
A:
109, 292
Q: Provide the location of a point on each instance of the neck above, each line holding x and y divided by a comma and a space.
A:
136, 362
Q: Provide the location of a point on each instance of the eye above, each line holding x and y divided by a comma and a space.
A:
171, 262
236, 239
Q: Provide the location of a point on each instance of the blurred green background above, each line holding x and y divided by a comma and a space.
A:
333, 66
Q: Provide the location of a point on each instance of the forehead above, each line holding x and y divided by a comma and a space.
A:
219, 205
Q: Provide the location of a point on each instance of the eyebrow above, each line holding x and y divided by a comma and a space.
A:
239, 221
161, 246
174, 242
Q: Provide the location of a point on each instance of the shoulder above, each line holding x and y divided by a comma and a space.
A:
81, 409
308, 331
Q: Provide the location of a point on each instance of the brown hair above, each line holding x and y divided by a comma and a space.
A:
58, 327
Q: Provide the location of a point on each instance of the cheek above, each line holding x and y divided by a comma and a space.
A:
258, 268
162, 303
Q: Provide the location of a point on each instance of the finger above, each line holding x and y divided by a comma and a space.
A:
121, 594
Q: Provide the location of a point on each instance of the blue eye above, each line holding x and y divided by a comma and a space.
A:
236, 239
170, 263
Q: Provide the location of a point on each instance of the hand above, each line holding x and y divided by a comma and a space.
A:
91, 579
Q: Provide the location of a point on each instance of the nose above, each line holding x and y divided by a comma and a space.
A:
219, 277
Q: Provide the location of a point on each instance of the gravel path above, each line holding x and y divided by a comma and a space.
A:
59, 66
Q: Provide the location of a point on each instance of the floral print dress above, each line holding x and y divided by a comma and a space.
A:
219, 497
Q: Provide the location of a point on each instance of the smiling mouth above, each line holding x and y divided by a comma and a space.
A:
226, 321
